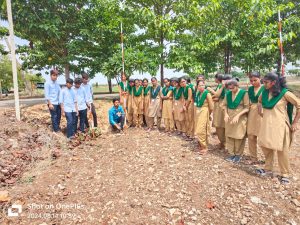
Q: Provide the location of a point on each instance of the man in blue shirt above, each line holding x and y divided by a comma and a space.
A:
116, 116
82, 103
89, 93
52, 92
68, 104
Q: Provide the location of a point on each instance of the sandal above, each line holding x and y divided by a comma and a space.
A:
284, 180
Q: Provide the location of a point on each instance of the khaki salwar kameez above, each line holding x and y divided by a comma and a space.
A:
189, 114
275, 133
130, 108
138, 109
179, 117
253, 126
123, 95
236, 133
146, 107
167, 112
218, 117
201, 122
154, 111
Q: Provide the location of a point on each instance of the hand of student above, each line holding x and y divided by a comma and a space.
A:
77, 113
294, 127
235, 119
184, 108
117, 126
63, 113
51, 107
226, 118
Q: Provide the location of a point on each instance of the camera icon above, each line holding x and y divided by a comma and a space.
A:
14, 210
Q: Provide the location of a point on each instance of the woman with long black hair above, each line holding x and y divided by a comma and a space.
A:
254, 120
278, 126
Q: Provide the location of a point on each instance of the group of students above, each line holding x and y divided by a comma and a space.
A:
71, 102
262, 113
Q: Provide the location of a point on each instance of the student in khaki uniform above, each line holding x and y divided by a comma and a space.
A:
129, 110
155, 104
218, 113
178, 104
123, 91
146, 101
236, 107
138, 103
167, 106
188, 108
254, 121
277, 126
203, 109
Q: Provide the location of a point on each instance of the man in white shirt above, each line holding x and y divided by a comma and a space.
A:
89, 94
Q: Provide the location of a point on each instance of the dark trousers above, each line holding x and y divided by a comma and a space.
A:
71, 123
55, 117
82, 119
93, 109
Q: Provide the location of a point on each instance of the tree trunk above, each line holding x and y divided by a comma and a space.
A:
109, 85
279, 66
67, 65
162, 58
227, 64
0, 89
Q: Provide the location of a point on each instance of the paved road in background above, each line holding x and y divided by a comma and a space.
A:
35, 101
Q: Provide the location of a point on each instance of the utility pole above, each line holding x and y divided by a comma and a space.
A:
13, 59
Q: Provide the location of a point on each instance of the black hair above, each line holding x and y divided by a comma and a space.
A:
201, 75
53, 72
69, 81
188, 79
254, 74
153, 78
182, 78
279, 84
145, 79
85, 75
131, 80
136, 80
167, 79
227, 77
115, 99
219, 77
78, 80
234, 81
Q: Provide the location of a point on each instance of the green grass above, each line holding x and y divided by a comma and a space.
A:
104, 89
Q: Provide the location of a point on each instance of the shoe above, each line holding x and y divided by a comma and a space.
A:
237, 159
231, 158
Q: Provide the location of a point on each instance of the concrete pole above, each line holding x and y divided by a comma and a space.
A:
13, 59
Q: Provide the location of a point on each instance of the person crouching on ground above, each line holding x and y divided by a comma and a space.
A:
116, 116
82, 103
203, 108
68, 104
236, 108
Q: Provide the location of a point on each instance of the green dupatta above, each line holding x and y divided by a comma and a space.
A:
200, 98
252, 96
146, 90
234, 104
269, 104
123, 87
177, 93
137, 92
166, 90
155, 92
